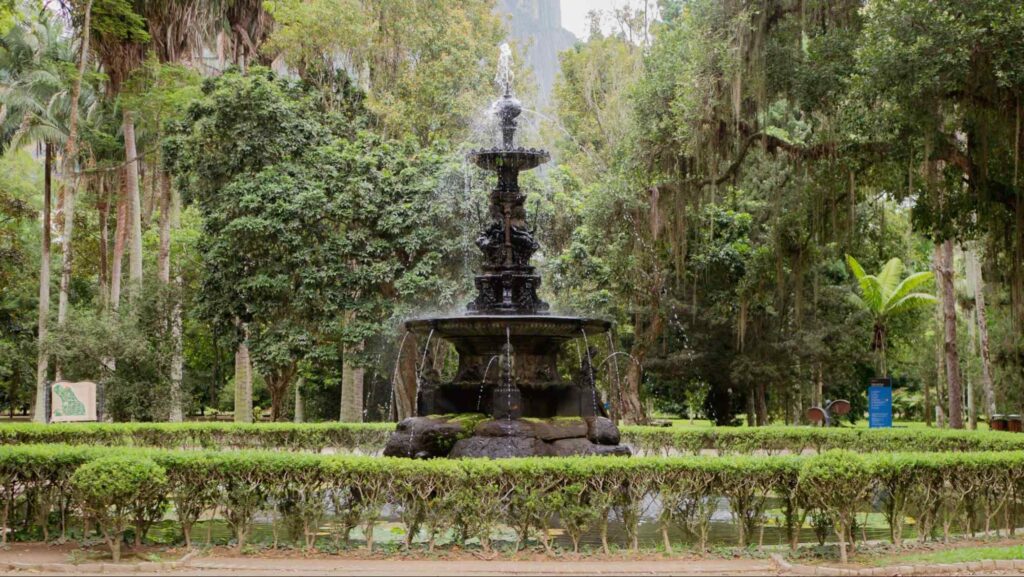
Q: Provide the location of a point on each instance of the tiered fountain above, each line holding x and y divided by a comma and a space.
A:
508, 398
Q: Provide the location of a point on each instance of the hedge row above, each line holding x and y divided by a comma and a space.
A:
348, 437
371, 437
798, 440
472, 498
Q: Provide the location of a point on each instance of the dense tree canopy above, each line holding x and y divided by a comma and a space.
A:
287, 181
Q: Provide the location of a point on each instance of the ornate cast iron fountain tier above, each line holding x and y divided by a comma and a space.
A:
508, 344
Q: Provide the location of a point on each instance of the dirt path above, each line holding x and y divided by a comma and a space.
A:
46, 558
251, 566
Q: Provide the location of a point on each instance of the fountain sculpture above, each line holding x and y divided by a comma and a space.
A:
508, 398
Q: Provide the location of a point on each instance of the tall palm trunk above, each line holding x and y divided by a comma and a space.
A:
949, 336
352, 377
298, 415
120, 239
103, 207
43, 361
164, 275
177, 362
982, 319
66, 256
163, 259
940, 357
243, 383
70, 152
132, 188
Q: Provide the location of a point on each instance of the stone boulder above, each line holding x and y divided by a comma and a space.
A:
498, 448
602, 431
555, 429
424, 437
582, 447
466, 437
505, 428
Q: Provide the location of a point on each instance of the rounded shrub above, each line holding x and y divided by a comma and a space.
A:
115, 490
836, 481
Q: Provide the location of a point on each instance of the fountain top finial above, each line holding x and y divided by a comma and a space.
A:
507, 108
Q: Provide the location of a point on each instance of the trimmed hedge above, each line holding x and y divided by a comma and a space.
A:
797, 440
363, 437
371, 437
944, 492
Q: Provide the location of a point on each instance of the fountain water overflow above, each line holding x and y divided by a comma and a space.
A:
531, 410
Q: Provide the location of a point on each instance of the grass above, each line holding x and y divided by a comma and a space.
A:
957, 555
861, 424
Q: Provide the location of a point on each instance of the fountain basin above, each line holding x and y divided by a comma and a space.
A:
518, 325
515, 159
536, 339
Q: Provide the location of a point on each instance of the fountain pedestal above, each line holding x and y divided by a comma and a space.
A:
507, 403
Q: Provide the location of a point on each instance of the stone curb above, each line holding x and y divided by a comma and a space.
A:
94, 568
973, 566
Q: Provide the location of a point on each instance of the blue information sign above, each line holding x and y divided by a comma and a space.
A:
880, 404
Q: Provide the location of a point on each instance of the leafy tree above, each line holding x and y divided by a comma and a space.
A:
20, 181
119, 35
137, 387
34, 59
335, 224
425, 67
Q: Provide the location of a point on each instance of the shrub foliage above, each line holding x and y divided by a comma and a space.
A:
371, 437
470, 499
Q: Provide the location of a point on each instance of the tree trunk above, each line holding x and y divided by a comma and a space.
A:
177, 360
164, 275
632, 408
163, 258
132, 188
404, 382
278, 382
647, 334
982, 319
103, 206
43, 361
761, 404
798, 403
927, 403
949, 333
819, 387
299, 412
351, 388
243, 384
120, 239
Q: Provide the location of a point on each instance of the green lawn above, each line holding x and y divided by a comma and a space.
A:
861, 424
958, 555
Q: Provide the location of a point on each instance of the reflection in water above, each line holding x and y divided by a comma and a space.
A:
723, 531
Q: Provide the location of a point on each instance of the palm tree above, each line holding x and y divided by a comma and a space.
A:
885, 296
178, 30
33, 108
120, 38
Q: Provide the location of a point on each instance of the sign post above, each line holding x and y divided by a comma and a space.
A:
880, 403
